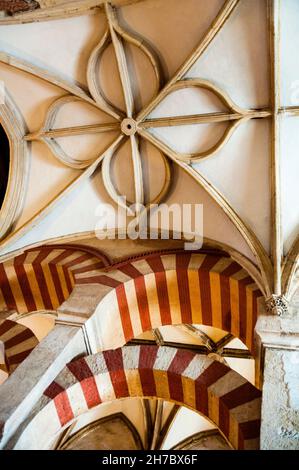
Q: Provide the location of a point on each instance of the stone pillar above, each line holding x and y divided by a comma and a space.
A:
24, 387
278, 338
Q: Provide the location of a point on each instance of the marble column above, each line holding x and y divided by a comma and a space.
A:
278, 338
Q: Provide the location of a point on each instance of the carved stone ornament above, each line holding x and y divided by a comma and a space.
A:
277, 305
17, 6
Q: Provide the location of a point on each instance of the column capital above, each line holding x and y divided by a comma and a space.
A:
277, 305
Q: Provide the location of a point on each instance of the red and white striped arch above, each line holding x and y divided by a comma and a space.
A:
164, 289
139, 294
193, 380
18, 341
43, 278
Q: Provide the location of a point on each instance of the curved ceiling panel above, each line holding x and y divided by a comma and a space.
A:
114, 432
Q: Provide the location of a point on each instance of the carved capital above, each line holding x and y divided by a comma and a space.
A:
277, 305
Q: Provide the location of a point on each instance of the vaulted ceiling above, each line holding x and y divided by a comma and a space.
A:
155, 101
205, 100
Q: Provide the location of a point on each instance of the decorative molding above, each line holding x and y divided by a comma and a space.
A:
276, 240
235, 116
197, 438
196, 332
277, 305
27, 226
158, 337
262, 258
15, 129
77, 324
59, 9
148, 421
197, 348
157, 425
45, 313
86, 340
167, 425
225, 352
